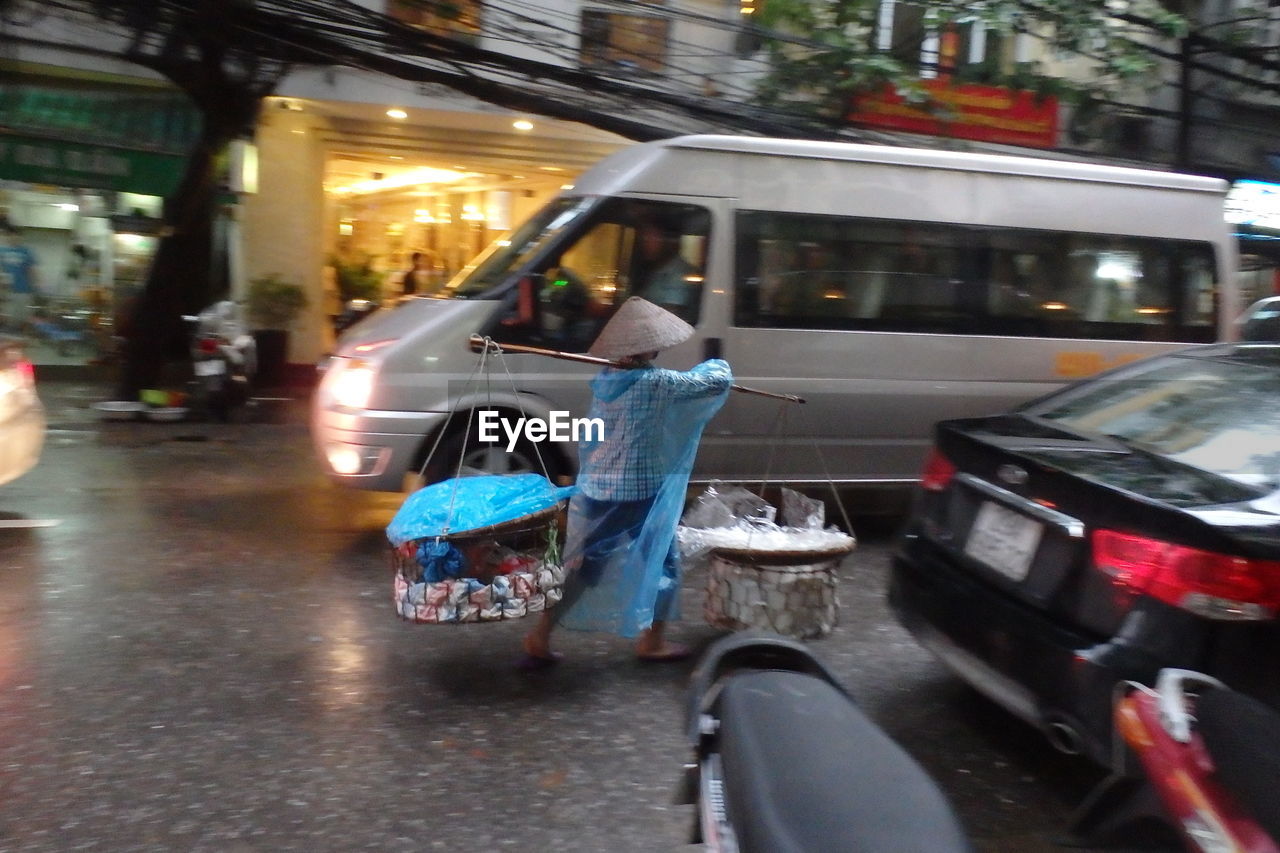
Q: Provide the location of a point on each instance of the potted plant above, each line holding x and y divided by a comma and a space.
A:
273, 304
357, 279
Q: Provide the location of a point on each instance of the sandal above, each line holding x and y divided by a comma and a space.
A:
670, 652
536, 663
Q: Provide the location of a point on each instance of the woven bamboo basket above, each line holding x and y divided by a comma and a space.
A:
792, 593
537, 585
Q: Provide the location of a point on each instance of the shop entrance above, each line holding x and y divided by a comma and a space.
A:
73, 261
426, 198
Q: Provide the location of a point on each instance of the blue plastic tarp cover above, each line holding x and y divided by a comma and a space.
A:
465, 503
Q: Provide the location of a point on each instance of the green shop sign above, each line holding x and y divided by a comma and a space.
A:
74, 164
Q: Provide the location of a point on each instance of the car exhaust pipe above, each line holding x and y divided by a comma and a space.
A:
1063, 736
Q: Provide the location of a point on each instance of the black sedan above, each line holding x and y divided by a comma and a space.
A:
1126, 523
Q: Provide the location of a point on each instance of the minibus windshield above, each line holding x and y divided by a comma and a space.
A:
493, 266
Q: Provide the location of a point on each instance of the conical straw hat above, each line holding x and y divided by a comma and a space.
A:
639, 327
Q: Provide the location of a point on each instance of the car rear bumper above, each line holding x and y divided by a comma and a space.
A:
1055, 678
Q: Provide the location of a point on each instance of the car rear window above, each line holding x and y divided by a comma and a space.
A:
1221, 416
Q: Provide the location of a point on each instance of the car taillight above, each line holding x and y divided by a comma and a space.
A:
1209, 584
937, 473
208, 346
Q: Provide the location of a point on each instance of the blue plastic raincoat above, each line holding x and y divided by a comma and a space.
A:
619, 549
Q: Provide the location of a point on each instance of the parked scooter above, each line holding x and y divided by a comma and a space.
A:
785, 762
1196, 759
224, 359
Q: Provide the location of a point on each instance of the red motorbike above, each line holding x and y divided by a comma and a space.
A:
1195, 758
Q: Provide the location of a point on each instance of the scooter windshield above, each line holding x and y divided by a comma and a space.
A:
494, 265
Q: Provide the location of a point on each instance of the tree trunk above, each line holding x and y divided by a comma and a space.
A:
181, 279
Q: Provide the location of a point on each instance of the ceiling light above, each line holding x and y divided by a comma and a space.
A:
522, 124
405, 179
397, 113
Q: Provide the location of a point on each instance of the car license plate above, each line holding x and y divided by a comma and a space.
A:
211, 367
1004, 540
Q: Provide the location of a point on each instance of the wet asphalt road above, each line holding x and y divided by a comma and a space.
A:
201, 655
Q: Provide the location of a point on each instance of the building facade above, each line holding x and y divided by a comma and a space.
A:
357, 171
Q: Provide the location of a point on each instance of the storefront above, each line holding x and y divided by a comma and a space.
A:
84, 165
351, 189
443, 215
396, 187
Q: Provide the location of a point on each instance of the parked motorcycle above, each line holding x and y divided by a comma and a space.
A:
785, 762
224, 360
1196, 759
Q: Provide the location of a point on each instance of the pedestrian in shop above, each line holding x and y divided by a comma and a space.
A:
18, 279
420, 277
620, 556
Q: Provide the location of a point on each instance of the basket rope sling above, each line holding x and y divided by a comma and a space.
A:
760, 586
483, 572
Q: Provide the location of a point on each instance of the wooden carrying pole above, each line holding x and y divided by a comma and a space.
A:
478, 344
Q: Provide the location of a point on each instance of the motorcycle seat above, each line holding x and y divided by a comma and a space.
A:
805, 771
1237, 730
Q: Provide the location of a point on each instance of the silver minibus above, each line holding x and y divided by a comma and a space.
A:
890, 287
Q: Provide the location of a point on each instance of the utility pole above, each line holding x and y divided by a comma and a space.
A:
1186, 103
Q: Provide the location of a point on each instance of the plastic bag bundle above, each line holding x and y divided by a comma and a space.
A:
733, 519
745, 536
724, 506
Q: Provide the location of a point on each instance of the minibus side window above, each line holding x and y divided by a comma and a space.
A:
807, 271
627, 247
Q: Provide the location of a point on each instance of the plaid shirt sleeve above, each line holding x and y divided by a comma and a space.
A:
704, 380
627, 464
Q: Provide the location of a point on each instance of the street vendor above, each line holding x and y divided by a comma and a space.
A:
620, 550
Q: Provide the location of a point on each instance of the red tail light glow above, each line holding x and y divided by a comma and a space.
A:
1209, 584
937, 473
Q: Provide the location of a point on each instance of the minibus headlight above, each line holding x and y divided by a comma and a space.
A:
351, 384
356, 459
344, 459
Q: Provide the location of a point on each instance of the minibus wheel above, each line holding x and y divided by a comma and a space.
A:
481, 458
